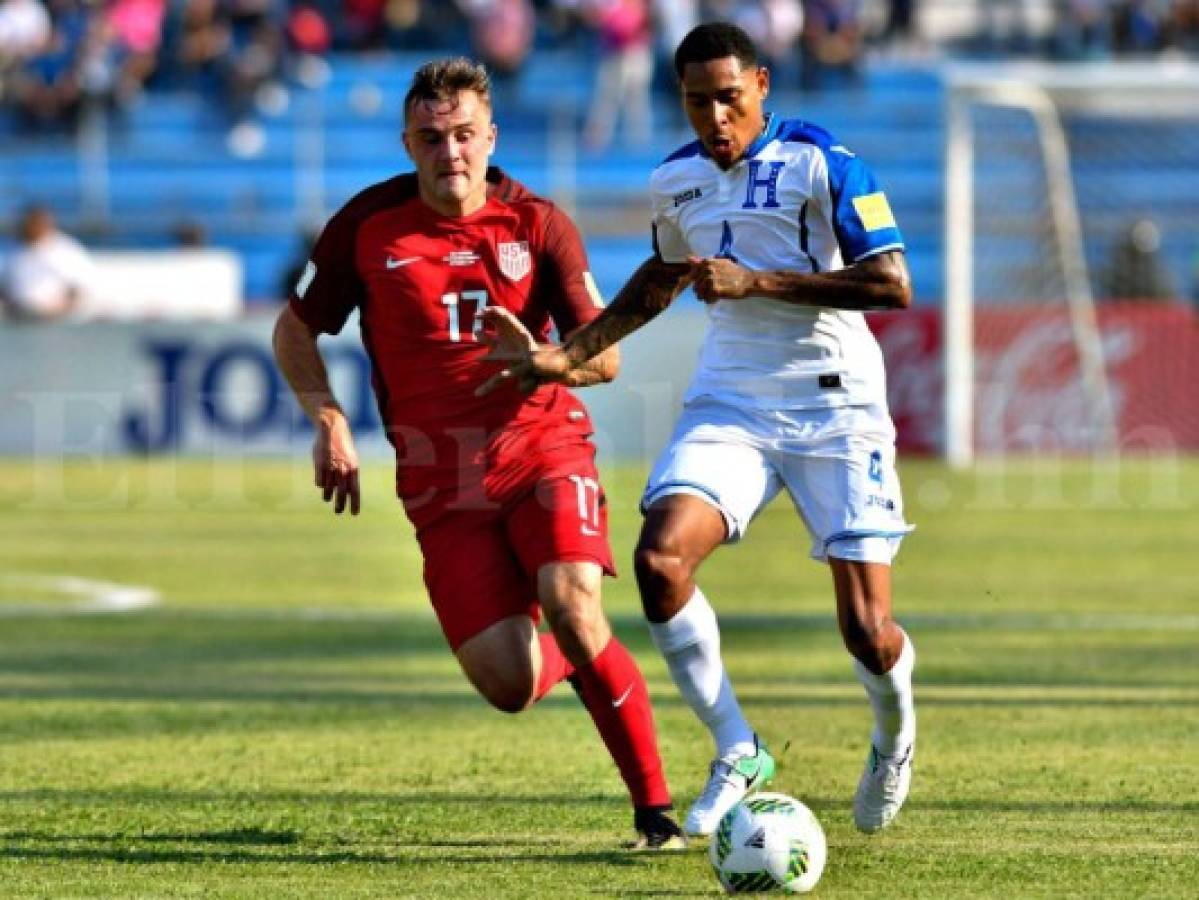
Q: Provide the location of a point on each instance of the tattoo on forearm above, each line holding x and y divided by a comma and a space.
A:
589, 373
880, 282
647, 293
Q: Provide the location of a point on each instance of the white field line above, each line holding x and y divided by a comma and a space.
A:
801, 621
91, 596
85, 595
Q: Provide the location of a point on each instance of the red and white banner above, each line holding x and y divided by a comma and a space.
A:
1028, 388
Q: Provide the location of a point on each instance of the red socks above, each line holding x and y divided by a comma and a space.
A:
613, 689
554, 666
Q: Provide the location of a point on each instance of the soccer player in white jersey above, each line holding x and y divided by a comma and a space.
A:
786, 236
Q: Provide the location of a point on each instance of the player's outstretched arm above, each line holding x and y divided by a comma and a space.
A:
881, 281
650, 290
644, 296
600, 369
583, 359
334, 458
510, 342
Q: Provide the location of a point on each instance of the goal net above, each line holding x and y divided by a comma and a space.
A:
1071, 245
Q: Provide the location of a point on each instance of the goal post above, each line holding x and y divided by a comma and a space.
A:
1020, 232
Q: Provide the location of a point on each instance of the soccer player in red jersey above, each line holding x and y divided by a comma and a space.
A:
451, 268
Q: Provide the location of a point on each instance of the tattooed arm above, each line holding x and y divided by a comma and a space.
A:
877, 282
511, 343
647, 293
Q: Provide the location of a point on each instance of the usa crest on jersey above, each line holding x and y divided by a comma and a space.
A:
515, 259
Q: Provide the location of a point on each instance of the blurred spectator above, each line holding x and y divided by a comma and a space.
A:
1137, 26
49, 274
97, 61
901, 21
674, 19
363, 24
308, 31
1183, 32
189, 234
501, 34
901, 35
1081, 31
47, 90
257, 52
24, 31
560, 22
233, 50
417, 25
831, 44
626, 67
781, 24
1007, 26
96, 53
135, 27
405, 19
1136, 270
203, 44
774, 25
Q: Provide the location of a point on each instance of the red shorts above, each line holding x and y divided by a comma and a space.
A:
481, 564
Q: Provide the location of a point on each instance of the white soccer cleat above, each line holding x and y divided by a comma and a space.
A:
732, 776
882, 790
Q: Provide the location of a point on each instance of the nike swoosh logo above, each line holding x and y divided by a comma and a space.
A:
617, 704
396, 263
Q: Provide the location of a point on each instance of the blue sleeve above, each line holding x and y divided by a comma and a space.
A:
862, 217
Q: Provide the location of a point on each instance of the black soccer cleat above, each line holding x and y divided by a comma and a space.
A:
656, 829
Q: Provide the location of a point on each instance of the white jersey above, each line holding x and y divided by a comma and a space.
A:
797, 201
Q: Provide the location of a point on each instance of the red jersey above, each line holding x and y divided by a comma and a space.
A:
420, 281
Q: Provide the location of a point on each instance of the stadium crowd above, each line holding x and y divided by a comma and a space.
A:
59, 58
57, 54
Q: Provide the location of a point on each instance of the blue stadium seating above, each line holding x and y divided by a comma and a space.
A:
169, 163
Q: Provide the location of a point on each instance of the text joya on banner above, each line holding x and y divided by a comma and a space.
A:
116, 388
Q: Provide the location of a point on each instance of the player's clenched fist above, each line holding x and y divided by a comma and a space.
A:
716, 278
335, 461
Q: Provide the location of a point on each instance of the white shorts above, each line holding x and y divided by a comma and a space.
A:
838, 465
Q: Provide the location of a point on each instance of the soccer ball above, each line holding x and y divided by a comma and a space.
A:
768, 842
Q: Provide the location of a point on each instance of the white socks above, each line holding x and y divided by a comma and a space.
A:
891, 698
690, 644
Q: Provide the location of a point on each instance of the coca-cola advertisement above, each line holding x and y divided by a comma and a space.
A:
1029, 393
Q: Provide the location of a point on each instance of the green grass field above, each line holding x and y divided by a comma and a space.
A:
287, 722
